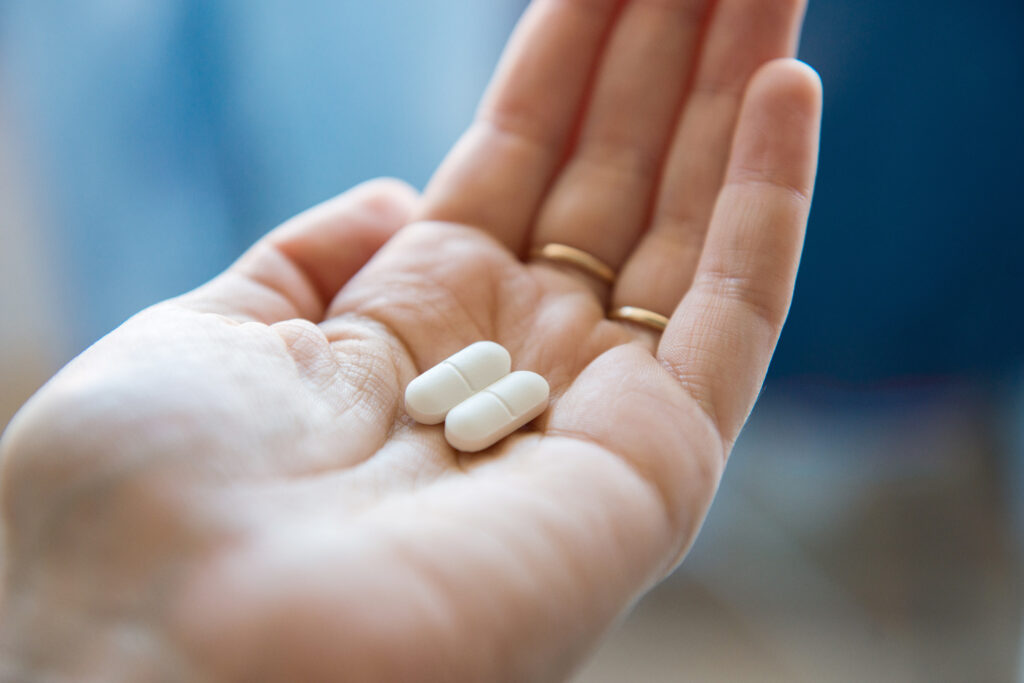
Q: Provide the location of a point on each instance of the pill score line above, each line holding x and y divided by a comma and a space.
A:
477, 419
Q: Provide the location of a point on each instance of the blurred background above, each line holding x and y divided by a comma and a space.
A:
870, 525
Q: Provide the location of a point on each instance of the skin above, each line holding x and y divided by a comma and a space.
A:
227, 488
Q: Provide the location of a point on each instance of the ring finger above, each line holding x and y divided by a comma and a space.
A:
601, 201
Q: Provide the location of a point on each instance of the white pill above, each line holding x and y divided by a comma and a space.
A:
429, 397
492, 414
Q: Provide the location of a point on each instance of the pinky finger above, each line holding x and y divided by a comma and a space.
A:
722, 335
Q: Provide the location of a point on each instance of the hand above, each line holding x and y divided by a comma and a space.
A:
226, 487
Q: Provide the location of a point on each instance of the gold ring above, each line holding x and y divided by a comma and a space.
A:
563, 253
641, 316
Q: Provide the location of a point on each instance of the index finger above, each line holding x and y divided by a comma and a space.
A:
496, 175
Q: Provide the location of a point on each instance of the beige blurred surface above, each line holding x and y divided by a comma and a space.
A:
865, 547
29, 323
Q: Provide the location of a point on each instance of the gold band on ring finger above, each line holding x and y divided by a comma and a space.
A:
577, 258
641, 316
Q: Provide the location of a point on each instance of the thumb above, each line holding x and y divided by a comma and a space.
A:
296, 269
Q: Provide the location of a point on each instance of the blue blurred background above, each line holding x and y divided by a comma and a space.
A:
870, 525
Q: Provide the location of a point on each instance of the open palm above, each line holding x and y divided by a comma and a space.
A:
230, 481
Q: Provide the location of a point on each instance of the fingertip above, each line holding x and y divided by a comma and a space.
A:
309, 258
780, 122
789, 81
372, 210
390, 199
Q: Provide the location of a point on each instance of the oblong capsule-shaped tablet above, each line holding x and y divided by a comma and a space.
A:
429, 397
492, 414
